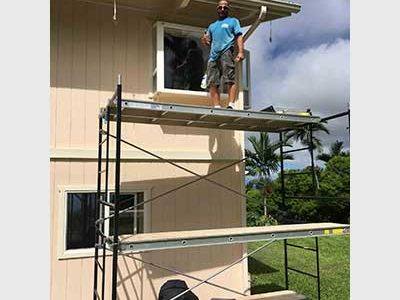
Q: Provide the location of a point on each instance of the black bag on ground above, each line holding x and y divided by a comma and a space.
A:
174, 287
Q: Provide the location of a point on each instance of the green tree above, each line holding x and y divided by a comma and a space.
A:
302, 135
262, 163
335, 182
336, 149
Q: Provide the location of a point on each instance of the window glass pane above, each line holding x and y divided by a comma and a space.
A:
127, 219
185, 59
140, 222
81, 210
140, 199
126, 224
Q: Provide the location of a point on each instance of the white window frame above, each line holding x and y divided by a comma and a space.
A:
63, 253
158, 64
246, 88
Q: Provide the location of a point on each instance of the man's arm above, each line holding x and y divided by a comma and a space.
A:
240, 44
206, 39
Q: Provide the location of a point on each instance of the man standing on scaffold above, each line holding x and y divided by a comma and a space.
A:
223, 35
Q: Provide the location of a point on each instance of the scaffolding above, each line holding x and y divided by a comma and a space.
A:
314, 196
120, 110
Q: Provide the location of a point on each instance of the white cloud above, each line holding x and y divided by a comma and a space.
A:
317, 22
306, 66
316, 78
316, 19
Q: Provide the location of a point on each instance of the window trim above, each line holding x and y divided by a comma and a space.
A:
158, 64
243, 87
63, 253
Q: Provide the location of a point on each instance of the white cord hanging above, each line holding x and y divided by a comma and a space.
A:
115, 11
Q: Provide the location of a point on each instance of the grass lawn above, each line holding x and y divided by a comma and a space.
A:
268, 271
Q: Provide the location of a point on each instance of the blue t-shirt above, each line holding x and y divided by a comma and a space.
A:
222, 34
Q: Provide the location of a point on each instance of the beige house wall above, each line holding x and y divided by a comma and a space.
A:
88, 50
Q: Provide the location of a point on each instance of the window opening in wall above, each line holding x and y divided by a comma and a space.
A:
185, 59
180, 61
81, 210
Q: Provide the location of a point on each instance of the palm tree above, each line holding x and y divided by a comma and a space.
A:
336, 149
262, 163
302, 135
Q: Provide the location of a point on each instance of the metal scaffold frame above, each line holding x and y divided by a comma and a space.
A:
121, 110
313, 174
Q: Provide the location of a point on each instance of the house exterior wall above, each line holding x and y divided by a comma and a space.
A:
88, 50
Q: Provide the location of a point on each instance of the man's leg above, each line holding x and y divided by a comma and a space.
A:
213, 74
228, 74
232, 89
215, 96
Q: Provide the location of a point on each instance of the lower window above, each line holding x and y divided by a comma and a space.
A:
81, 214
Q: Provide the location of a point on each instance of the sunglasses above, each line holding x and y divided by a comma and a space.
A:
222, 7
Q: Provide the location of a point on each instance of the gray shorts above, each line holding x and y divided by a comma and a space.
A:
224, 66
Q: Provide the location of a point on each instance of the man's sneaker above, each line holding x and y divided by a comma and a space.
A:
229, 107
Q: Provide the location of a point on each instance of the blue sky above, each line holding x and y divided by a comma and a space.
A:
307, 65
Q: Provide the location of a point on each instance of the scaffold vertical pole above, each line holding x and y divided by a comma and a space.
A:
284, 207
106, 198
97, 211
318, 274
117, 190
286, 264
282, 170
314, 182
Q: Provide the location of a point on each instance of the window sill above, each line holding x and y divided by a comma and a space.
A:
78, 253
186, 97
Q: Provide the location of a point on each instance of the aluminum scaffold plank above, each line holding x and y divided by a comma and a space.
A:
226, 236
146, 112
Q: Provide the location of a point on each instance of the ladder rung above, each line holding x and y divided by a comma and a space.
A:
99, 265
97, 294
100, 232
102, 142
301, 247
112, 205
302, 272
295, 150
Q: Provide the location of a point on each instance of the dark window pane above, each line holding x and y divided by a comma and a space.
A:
185, 60
140, 222
81, 210
126, 200
126, 224
140, 199
127, 219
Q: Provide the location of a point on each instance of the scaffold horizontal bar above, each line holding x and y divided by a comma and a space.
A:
298, 173
335, 116
301, 247
302, 272
295, 150
316, 198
